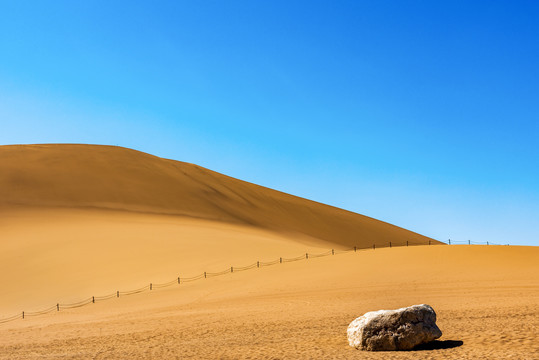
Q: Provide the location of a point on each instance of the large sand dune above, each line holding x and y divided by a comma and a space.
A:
80, 220
110, 177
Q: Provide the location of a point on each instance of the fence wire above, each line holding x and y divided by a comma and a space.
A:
269, 263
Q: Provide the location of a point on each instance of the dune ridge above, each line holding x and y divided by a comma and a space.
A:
109, 177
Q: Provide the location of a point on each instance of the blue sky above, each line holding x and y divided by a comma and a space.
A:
424, 114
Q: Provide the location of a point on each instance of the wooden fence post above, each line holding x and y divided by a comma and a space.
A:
58, 307
178, 279
231, 269
306, 256
258, 264
332, 252
354, 249
150, 286
23, 314
204, 274
93, 299
118, 293
390, 244
374, 246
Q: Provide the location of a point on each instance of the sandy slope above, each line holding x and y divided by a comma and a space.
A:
486, 299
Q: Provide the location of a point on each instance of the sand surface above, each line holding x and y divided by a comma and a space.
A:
486, 299
78, 221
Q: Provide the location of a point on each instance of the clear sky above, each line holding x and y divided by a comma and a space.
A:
424, 114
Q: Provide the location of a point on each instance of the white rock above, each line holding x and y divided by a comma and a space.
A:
400, 329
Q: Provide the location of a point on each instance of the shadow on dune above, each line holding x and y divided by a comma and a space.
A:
439, 344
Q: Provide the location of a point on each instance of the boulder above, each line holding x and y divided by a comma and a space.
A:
401, 329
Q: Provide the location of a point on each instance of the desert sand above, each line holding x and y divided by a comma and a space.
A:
80, 221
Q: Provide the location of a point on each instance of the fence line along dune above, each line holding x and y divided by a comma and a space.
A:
181, 279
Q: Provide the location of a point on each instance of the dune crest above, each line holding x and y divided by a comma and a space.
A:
109, 177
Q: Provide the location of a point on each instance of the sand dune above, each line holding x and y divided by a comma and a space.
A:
110, 177
81, 220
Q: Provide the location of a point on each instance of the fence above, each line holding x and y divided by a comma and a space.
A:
469, 242
180, 280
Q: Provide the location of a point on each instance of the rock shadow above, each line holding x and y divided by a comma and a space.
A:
438, 345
